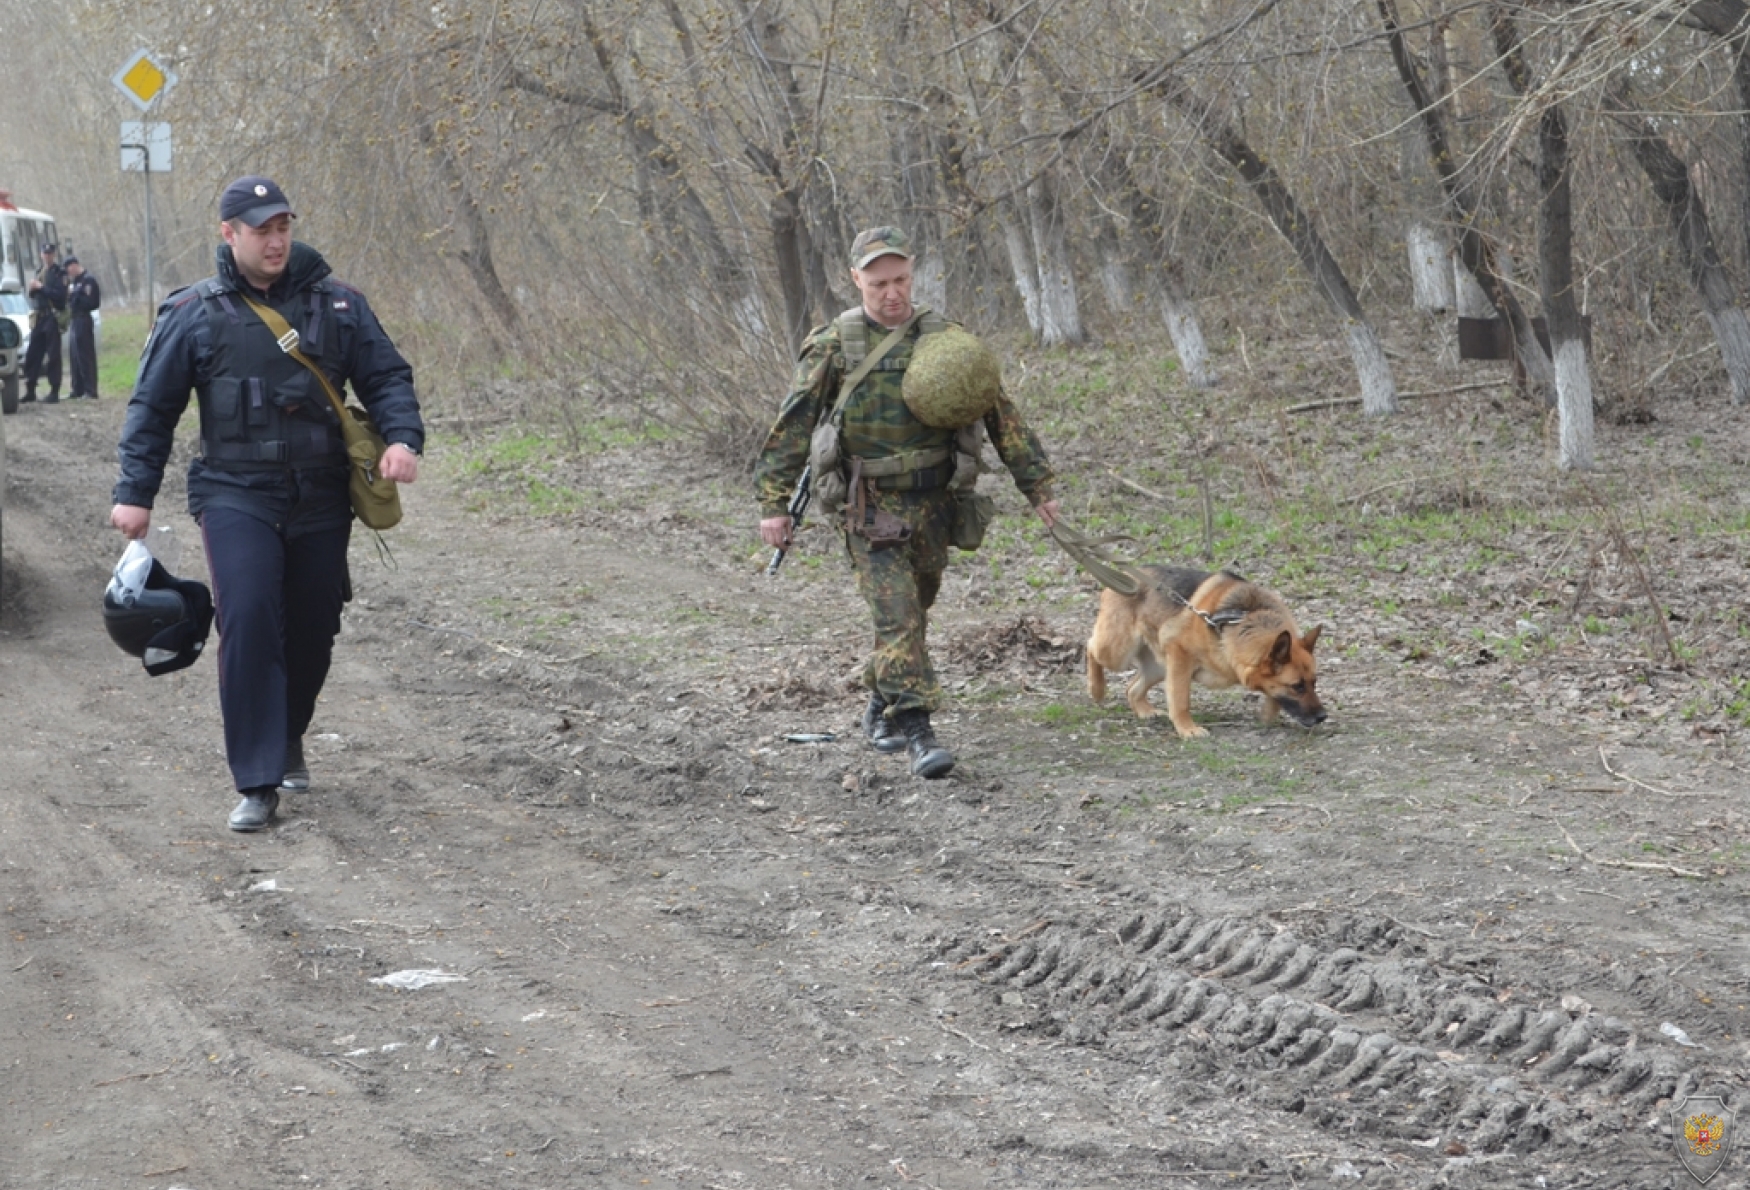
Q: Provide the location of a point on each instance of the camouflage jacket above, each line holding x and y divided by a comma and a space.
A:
877, 422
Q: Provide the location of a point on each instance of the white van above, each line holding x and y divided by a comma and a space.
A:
22, 236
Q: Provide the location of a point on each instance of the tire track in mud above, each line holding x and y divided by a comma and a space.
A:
1388, 1043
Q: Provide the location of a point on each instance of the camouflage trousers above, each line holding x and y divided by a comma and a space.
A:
900, 585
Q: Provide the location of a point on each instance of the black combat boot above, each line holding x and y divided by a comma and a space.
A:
879, 728
928, 758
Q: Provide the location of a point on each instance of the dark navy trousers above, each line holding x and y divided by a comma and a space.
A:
277, 604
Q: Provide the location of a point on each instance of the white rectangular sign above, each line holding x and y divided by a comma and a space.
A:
145, 145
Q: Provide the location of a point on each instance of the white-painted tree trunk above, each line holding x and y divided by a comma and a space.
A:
1060, 313
1732, 330
1430, 273
1379, 392
1187, 335
929, 284
1574, 401
1026, 273
1115, 279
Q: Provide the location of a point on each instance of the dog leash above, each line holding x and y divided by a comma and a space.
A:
1088, 551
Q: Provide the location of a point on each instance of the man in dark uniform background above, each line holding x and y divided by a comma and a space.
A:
269, 487
83, 296
900, 581
48, 297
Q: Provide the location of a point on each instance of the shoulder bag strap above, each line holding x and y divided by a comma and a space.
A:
288, 341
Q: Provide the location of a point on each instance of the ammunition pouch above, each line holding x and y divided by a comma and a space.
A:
823, 461
973, 513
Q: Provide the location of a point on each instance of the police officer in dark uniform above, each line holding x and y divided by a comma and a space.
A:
48, 297
269, 487
83, 296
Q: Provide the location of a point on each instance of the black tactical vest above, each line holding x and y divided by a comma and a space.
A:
262, 409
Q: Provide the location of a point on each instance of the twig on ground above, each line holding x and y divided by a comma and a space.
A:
1339, 402
1134, 486
126, 1078
1632, 864
1621, 776
964, 1037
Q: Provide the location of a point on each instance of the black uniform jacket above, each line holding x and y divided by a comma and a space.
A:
178, 360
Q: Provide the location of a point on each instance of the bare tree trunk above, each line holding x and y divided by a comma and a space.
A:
1025, 268
1555, 251
966, 244
1114, 269
1178, 311
1669, 177
1060, 313
1475, 250
1378, 390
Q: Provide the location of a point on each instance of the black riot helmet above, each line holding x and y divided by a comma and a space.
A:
155, 616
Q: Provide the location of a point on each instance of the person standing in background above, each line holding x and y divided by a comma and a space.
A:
83, 296
48, 302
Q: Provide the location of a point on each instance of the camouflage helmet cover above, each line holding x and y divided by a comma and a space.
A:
952, 380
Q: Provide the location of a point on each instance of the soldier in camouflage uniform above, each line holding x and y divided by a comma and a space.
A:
899, 582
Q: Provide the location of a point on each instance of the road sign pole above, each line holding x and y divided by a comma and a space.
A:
145, 82
151, 279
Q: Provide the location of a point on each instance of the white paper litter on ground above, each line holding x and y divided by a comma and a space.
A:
413, 980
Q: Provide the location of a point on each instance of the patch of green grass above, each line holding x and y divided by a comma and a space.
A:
1738, 706
118, 352
1057, 714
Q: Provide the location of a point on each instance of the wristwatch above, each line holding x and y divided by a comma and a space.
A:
416, 453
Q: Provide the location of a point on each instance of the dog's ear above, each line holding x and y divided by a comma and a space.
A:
1312, 638
1282, 651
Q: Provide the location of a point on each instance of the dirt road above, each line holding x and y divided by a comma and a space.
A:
1427, 944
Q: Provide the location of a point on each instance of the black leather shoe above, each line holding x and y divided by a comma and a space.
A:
27, 399
52, 399
879, 728
255, 810
929, 759
297, 778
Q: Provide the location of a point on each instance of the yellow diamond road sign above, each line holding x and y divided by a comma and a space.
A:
143, 80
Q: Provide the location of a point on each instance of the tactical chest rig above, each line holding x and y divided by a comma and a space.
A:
850, 482
260, 408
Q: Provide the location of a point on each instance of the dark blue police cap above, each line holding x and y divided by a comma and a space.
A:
254, 200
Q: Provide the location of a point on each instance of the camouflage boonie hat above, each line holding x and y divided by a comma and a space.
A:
952, 379
879, 241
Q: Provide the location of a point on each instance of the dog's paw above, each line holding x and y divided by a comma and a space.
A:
1190, 731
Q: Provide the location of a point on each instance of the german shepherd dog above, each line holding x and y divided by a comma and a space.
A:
1214, 629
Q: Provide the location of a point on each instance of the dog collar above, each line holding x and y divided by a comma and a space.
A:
1217, 622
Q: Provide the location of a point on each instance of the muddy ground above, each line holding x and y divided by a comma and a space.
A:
1443, 940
